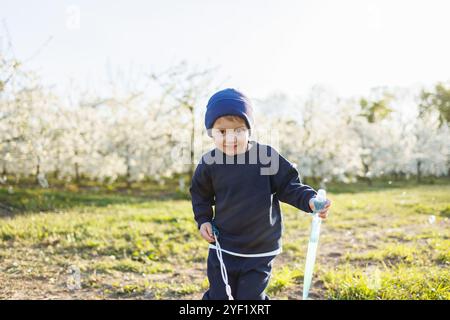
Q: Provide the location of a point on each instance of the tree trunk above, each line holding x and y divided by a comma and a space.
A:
419, 178
56, 172
448, 170
192, 164
77, 173
77, 170
38, 169
366, 170
128, 176
395, 176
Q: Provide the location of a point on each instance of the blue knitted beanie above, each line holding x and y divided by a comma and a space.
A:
228, 102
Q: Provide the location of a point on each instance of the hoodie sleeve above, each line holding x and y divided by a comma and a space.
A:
202, 194
288, 186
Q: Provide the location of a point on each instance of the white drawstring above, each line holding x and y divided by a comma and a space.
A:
223, 269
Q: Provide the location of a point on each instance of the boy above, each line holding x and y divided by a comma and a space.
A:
245, 181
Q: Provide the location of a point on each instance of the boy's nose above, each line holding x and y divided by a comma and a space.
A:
230, 137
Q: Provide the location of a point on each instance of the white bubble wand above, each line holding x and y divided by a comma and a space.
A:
319, 203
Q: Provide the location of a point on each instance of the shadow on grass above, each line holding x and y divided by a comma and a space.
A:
380, 185
29, 198
20, 200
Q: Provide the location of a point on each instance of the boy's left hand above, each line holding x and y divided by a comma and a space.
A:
324, 212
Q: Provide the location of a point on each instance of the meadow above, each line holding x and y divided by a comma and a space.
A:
390, 240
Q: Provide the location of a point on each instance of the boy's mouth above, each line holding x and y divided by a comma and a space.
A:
231, 148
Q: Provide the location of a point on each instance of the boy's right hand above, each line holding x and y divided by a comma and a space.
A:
206, 232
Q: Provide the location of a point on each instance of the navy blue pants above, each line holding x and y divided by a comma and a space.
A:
247, 277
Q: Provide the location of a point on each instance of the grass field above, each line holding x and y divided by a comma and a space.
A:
389, 241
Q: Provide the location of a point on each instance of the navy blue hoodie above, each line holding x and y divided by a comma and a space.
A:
245, 190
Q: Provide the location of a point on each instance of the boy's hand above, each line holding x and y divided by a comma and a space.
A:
324, 212
206, 232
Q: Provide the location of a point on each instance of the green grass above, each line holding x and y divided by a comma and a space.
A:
394, 283
378, 243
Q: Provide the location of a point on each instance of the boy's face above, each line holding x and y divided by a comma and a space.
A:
230, 135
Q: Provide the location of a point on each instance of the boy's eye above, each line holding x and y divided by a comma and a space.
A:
218, 132
223, 132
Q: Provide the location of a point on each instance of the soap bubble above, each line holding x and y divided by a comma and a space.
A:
42, 180
73, 280
181, 184
373, 277
431, 219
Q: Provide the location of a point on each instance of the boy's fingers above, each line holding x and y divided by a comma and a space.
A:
207, 229
206, 236
326, 206
209, 232
206, 232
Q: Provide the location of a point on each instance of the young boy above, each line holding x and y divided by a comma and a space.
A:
245, 181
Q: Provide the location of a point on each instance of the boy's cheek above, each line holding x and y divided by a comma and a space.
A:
218, 142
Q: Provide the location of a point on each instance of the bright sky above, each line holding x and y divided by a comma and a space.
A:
260, 46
